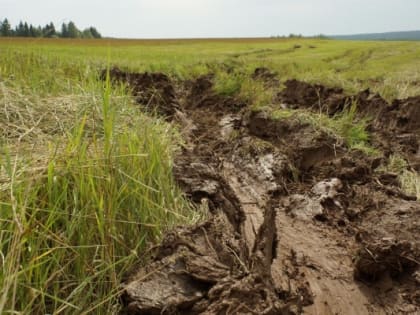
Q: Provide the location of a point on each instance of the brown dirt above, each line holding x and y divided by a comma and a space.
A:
394, 127
297, 223
267, 76
402, 131
301, 94
153, 90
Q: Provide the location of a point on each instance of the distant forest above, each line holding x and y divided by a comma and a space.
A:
67, 30
407, 35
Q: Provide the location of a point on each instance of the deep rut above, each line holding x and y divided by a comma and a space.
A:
289, 218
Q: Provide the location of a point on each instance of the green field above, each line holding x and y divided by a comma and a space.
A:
391, 68
86, 180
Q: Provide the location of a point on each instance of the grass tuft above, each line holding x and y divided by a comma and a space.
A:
83, 207
345, 126
409, 179
228, 84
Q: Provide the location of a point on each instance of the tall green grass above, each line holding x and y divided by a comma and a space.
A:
77, 214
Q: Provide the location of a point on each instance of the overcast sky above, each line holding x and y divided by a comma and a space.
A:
219, 18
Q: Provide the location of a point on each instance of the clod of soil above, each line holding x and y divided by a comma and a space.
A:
153, 90
386, 255
267, 76
200, 270
322, 200
301, 94
300, 141
399, 125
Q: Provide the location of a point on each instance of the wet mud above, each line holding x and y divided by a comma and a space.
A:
297, 223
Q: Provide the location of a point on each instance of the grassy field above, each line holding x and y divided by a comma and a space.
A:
391, 68
86, 178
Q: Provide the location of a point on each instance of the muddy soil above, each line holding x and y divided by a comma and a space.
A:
267, 76
154, 90
297, 223
394, 127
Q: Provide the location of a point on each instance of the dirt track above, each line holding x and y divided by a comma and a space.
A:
298, 223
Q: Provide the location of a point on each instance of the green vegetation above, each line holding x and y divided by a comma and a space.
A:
409, 179
256, 93
228, 84
389, 68
85, 187
86, 177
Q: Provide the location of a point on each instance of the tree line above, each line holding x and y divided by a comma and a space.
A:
68, 30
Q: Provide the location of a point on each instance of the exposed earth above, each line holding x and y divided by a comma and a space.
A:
298, 223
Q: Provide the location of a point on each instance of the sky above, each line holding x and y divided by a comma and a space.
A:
219, 18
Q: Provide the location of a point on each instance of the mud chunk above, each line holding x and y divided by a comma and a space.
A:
357, 173
270, 169
397, 127
314, 150
307, 207
385, 256
299, 94
228, 124
153, 90
307, 146
180, 277
328, 189
201, 181
304, 207
260, 124
202, 85
389, 179
209, 271
403, 115
159, 292
264, 74
201, 95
